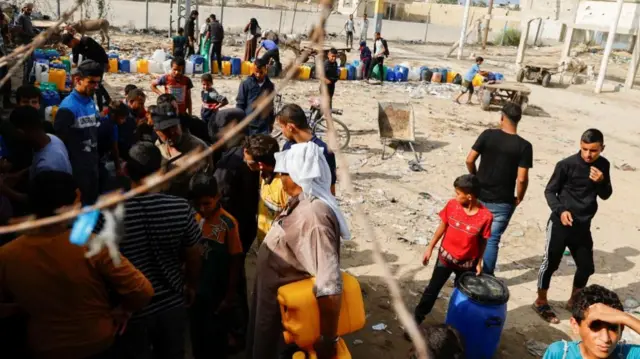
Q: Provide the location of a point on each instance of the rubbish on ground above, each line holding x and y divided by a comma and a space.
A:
357, 342
379, 327
536, 348
567, 253
626, 167
571, 262
425, 195
630, 304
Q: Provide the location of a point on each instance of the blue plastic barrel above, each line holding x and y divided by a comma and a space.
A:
124, 65
50, 98
51, 54
198, 63
236, 66
113, 55
351, 72
402, 74
56, 65
444, 73
391, 75
226, 58
39, 54
478, 309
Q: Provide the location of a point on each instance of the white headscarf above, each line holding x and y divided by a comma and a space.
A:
306, 165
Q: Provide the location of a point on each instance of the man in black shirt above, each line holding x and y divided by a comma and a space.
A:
190, 33
506, 159
572, 193
331, 73
90, 50
216, 34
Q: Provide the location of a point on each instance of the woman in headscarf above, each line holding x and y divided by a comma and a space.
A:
304, 241
253, 32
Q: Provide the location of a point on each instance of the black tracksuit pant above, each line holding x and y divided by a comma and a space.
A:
580, 243
441, 274
216, 51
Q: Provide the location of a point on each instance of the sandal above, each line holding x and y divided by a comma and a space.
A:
546, 313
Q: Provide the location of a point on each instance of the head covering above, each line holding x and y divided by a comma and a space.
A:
164, 117
306, 165
363, 43
90, 68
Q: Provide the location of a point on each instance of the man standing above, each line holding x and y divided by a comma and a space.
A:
250, 90
572, 194
364, 27
504, 165
216, 35
190, 33
295, 128
380, 51
331, 73
26, 33
160, 237
349, 28
90, 50
77, 126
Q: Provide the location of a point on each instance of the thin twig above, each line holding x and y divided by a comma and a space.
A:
18, 56
345, 178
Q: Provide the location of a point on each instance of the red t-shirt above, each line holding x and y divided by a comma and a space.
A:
464, 233
179, 88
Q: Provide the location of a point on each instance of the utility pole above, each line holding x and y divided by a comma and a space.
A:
487, 22
221, 10
146, 18
58, 9
426, 28
465, 18
608, 47
293, 21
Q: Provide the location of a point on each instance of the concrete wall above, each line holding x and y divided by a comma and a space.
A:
132, 14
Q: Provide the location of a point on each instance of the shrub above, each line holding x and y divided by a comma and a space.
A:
511, 37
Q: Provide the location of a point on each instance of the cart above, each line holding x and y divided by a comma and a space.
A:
499, 94
396, 123
537, 72
342, 52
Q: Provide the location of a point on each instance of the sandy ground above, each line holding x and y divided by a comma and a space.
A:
402, 205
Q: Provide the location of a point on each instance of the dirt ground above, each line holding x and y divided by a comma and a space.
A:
402, 205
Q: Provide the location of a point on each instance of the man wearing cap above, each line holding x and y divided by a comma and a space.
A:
250, 90
174, 145
77, 126
90, 50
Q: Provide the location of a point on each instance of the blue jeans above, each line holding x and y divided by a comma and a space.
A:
501, 216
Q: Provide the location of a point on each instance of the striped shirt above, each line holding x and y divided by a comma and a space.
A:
157, 227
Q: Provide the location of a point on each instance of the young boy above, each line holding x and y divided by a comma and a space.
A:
466, 227
177, 85
365, 58
599, 319
572, 193
467, 81
128, 89
259, 155
443, 342
108, 136
222, 260
212, 101
29, 95
331, 73
178, 44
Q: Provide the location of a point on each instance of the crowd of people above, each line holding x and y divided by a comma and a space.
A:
184, 243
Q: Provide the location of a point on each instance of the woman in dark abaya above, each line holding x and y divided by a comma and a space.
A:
253, 32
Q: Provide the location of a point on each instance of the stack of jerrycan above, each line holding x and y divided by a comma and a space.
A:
301, 316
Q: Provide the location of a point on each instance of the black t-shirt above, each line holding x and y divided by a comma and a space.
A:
90, 50
500, 156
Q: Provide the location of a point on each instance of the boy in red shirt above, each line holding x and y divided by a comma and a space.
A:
465, 226
176, 84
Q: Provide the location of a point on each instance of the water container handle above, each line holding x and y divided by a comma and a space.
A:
493, 322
